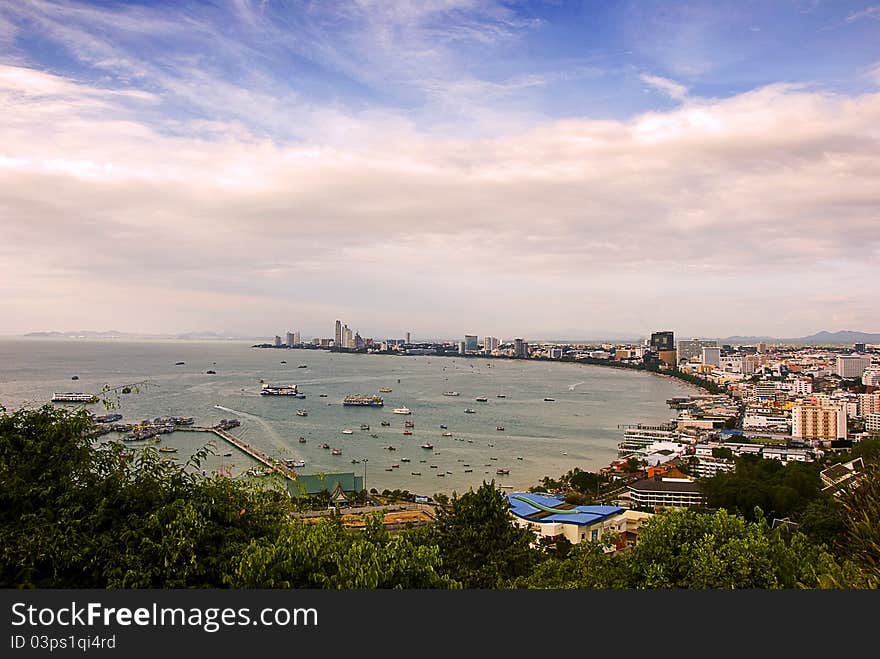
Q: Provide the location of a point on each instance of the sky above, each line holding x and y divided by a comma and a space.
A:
537, 169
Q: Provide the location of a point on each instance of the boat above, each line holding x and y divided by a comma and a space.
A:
283, 390
336, 451
500, 396
550, 400
303, 366
364, 426
427, 446
409, 424
451, 393
283, 362
470, 411
416, 473
210, 372
354, 461
519, 457
385, 390
499, 427
402, 410
348, 431
433, 466
407, 432
71, 397
395, 466
302, 413
441, 474
74, 377
388, 469
325, 445
468, 471
227, 455
502, 472
167, 449
481, 399
363, 401
374, 435
302, 440
322, 395
447, 434
386, 423
295, 463
443, 426
390, 448
404, 459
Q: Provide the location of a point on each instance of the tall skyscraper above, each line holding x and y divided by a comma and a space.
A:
470, 343
277, 341
520, 348
338, 334
661, 341
291, 339
852, 366
407, 339
711, 356
490, 343
693, 348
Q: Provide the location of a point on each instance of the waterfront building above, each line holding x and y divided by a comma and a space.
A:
338, 334
662, 341
520, 348
470, 343
555, 353
491, 343
408, 339
852, 366
672, 490
693, 348
462, 347
637, 438
711, 356
290, 339
550, 517
668, 357
818, 423
277, 341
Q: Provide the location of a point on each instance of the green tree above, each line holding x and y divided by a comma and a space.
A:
479, 544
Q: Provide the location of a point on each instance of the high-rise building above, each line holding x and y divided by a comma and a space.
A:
711, 356
407, 339
338, 334
291, 339
818, 423
359, 343
693, 348
869, 404
852, 366
491, 343
462, 347
762, 348
277, 341
662, 341
859, 347
871, 376
470, 343
520, 348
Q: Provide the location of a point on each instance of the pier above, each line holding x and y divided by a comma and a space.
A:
276, 465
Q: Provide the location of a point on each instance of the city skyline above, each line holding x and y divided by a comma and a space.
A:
535, 169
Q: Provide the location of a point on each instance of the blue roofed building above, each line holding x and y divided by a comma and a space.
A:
550, 516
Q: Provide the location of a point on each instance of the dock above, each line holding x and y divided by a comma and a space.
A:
276, 465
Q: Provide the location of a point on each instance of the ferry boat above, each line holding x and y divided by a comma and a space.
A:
363, 401
402, 410
284, 390
302, 413
69, 397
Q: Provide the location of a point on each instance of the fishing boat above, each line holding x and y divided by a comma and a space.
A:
500, 396
443, 426
374, 435
404, 459
336, 451
179, 363
468, 471
365, 426
168, 449
549, 400
416, 473
390, 448
451, 393
303, 366
409, 424
481, 399
428, 446
302, 413
325, 446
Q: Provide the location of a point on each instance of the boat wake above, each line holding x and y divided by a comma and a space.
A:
270, 431
576, 384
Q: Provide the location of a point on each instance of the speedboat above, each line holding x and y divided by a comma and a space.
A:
443, 426
470, 411
336, 451
550, 400
499, 427
447, 434
428, 446
402, 410
347, 432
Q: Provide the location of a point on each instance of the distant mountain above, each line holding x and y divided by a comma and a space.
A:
843, 337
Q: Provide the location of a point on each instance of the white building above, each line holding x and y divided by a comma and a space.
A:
872, 423
711, 356
852, 366
871, 376
818, 423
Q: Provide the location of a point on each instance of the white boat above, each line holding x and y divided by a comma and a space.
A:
447, 434
451, 393
347, 432
481, 399
402, 410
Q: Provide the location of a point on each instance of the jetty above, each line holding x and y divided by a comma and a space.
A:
276, 465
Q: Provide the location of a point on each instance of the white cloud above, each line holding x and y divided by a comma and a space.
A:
669, 87
574, 216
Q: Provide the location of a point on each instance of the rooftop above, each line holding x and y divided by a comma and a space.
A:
547, 508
